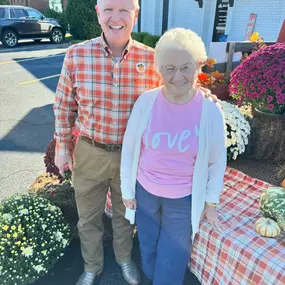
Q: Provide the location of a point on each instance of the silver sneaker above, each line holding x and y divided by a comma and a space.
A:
130, 272
86, 278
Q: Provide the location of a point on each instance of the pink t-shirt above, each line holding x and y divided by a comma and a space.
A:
169, 147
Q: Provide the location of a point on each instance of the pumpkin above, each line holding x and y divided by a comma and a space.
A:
267, 227
272, 205
283, 183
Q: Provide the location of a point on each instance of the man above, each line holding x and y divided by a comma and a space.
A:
99, 83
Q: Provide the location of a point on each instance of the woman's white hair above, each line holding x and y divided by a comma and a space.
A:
180, 39
136, 2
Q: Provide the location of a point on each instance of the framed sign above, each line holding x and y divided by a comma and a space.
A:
220, 20
250, 26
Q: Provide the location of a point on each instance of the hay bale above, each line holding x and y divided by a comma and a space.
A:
280, 174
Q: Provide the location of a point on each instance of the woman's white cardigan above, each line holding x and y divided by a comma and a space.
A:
210, 163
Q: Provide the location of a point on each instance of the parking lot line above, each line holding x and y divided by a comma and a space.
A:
29, 59
38, 79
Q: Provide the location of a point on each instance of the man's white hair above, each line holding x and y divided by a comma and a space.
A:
180, 39
137, 6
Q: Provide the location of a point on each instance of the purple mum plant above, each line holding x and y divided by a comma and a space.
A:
260, 79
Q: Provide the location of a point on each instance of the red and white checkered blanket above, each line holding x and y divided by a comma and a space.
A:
239, 256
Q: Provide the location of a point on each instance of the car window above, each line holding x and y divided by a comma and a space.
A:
34, 14
19, 13
2, 13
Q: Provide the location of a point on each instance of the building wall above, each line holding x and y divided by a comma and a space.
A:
208, 21
187, 14
151, 21
19, 2
270, 16
40, 5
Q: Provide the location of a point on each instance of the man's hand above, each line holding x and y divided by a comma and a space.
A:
63, 161
130, 203
210, 213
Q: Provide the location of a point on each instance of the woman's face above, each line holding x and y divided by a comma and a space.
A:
179, 71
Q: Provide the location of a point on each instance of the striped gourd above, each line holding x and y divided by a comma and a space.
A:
272, 204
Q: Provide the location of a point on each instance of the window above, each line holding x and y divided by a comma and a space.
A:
34, 14
19, 13
2, 13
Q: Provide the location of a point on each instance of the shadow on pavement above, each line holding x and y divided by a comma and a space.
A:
69, 268
33, 133
44, 67
32, 46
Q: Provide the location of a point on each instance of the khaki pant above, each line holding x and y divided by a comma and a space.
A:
95, 170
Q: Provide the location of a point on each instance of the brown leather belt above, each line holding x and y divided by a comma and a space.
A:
107, 147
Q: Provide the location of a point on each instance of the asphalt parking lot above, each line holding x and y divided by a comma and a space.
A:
28, 78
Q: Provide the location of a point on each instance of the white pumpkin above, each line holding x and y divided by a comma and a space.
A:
267, 227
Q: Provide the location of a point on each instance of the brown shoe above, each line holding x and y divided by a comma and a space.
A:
130, 272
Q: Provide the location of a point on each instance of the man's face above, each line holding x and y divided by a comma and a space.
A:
117, 19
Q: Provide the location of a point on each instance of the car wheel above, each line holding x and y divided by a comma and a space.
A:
10, 38
37, 41
56, 36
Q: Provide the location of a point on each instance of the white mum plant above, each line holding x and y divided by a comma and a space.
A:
33, 236
237, 129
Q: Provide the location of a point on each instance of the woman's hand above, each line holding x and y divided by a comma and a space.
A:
210, 213
130, 203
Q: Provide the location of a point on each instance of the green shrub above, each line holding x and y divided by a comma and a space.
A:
150, 40
82, 18
145, 38
4, 2
138, 36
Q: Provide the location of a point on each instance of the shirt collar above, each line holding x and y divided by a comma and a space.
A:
107, 51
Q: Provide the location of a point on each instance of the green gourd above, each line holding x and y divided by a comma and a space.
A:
272, 205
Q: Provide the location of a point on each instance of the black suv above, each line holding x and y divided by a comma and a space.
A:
18, 22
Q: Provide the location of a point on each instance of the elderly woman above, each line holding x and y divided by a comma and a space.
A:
173, 160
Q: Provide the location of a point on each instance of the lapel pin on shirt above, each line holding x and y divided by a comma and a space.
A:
141, 67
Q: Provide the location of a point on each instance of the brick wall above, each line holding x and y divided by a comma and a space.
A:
40, 5
64, 4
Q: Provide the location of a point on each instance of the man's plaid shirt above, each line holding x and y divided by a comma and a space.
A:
96, 94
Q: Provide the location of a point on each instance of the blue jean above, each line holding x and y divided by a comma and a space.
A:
164, 231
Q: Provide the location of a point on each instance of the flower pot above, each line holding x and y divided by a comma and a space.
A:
221, 91
260, 110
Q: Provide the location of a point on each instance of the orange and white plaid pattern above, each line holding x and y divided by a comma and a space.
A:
239, 256
97, 92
